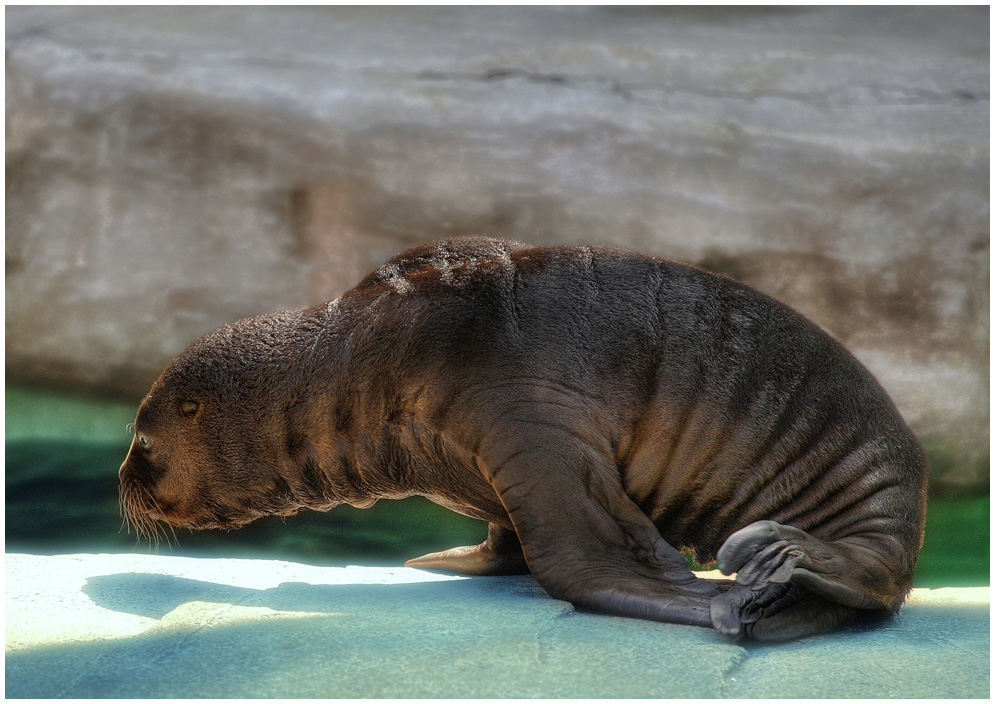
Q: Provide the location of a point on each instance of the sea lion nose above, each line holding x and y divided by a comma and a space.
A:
137, 472
124, 468
127, 468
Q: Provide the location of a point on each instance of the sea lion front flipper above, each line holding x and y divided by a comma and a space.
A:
585, 541
500, 554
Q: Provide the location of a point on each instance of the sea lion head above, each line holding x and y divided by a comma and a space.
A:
210, 438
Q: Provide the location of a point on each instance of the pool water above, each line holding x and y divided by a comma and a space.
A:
63, 452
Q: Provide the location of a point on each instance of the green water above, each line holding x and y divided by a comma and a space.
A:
62, 456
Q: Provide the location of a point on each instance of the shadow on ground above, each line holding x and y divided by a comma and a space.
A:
156, 595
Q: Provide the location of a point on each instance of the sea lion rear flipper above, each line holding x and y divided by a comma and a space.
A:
790, 584
585, 541
778, 612
500, 554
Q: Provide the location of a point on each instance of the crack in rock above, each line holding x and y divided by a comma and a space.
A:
882, 95
739, 660
544, 635
650, 93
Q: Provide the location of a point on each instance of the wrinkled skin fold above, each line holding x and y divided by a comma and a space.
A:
599, 408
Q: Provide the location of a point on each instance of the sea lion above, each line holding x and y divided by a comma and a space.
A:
597, 407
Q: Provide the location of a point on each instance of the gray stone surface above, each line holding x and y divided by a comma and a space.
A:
144, 626
170, 169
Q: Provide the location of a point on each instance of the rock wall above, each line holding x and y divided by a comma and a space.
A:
172, 169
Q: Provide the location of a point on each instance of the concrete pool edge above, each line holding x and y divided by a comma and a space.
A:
159, 626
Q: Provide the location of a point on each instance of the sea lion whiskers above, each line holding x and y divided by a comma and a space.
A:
137, 507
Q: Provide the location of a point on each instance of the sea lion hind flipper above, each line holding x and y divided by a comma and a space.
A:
500, 554
587, 543
779, 612
790, 583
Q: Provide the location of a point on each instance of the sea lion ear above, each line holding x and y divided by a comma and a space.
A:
189, 408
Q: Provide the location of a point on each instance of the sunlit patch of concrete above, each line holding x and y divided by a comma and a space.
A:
48, 602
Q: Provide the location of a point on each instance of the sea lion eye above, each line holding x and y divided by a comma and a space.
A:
144, 441
188, 408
